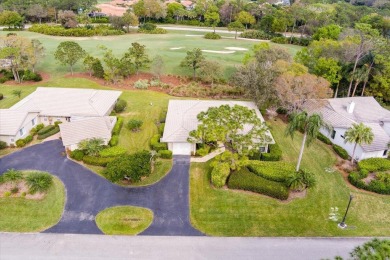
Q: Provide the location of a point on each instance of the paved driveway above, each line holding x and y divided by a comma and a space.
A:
88, 194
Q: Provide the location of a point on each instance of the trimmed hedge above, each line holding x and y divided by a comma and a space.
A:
155, 31
156, 145
114, 140
203, 151
165, 154
23, 142
161, 128
77, 155
3, 145
46, 129
261, 35
212, 36
114, 151
118, 126
120, 106
340, 151
52, 132
36, 129
275, 153
246, 180
98, 161
374, 164
219, 174
381, 187
324, 139
100, 30
274, 171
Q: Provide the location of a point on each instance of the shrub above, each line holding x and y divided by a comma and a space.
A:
39, 182
98, 161
155, 31
3, 145
12, 175
100, 30
20, 143
56, 123
130, 167
118, 126
381, 185
246, 180
203, 151
155, 83
212, 36
120, 106
274, 171
28, 75
281, 40
35, 129
7, 194
156, 145
46, 129
281, 111
374, 164
114, 140
340, 151
50, 133
77, 155
301, 41
1, 96
324, 139
275, 153
134, 125
148, 26
15, 190
261, 35
161, 128
141, 84
28, 139
91, 146
97, 69
165, 154
114, 151
219, 174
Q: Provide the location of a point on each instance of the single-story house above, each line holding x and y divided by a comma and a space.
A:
341, 113
49, 105
188, 5
182, 119
73, 133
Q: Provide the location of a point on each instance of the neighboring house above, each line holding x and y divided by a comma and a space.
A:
182, 119
48, 105
189, 5
96, 127
15, 125
341, 113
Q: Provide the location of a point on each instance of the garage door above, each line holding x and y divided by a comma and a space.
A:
181, 148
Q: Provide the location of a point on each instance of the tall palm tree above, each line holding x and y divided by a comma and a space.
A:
309, 124
358, 134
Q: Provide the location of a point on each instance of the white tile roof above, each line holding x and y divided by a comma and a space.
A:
69, 101
95, 127
11, 121
182, 116
367, 110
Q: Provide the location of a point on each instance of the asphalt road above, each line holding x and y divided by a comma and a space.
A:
88, 193
74, 247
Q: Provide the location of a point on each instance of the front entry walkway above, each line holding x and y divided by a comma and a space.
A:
88, 193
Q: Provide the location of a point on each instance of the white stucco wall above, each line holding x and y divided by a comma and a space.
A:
73, 147
27, 126
50, 120
386, 127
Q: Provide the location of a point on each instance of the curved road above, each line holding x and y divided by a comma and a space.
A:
88, 194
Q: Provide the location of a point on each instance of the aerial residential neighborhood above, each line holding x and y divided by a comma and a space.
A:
192, 129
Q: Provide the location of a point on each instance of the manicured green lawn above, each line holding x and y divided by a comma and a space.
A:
222, 212
162, 167
124, 220
22, 215
155, 44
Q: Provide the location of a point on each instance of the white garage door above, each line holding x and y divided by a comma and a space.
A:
181, 148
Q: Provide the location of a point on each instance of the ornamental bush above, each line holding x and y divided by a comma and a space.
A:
324, 139
203, 151
46, 129
219, 174
98, 161
148, 26
20, 143
50, 133
120, 106
77, 155
130, 167
154, 31
246, 180
280, 40
3, 145
274, 171
35, 129
340, 151
161, 128
114, 140
156, 145
212, 36
118, 126
379, 185
275, 153
12, 175
141, 84
374, 164
165, 154
28, 139
114, 151
134, 125
261, 35
39, 182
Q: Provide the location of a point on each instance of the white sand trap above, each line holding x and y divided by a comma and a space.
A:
176, 48
194, 35
220, 52
236, 49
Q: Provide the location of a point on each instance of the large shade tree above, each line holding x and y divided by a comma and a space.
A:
358, 134
69, 53
310, 125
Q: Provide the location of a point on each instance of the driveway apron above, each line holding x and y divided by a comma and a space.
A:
88, 193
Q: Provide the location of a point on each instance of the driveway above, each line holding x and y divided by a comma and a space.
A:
88, 193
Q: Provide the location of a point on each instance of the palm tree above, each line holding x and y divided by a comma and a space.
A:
309, 124
358, 134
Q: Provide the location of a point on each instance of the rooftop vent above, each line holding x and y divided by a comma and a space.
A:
351, 107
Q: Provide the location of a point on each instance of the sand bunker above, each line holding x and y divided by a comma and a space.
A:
176, 48
220, 52
192, 35
236, 49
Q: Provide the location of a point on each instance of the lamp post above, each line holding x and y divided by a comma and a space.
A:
342, 223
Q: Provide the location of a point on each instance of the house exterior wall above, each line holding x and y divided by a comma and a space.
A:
27, 125
73, 147
360, 154
50, 120
386, 127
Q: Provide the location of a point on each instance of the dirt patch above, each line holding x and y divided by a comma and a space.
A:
369, 178
296, 195
45, 77
22, 191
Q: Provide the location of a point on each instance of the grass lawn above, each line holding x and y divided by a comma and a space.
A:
222, 212
124, 220
22, 215
162, 167
155, 44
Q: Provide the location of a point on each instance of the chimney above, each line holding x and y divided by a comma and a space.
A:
350, 107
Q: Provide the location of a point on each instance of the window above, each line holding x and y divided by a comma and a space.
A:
333, 134
385, 153
21, 131
45, 118
33, 121
12, 140
342, 136
262, 149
